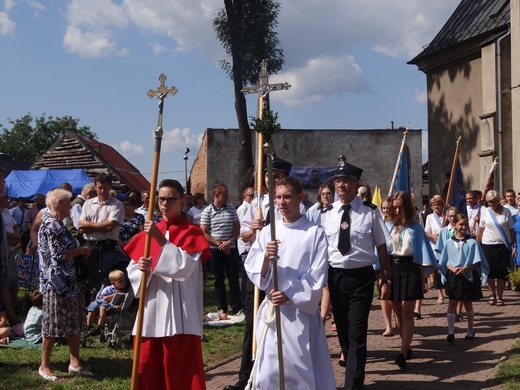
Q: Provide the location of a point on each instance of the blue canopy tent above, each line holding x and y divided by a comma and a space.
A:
29, 183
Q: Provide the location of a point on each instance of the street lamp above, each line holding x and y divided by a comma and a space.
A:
186, 167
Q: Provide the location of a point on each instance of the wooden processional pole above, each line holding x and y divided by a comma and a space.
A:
452, 174
263, 89
398, 163
161, 93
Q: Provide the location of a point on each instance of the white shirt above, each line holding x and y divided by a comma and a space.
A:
491, 233
9, 223
367, 230
433, 225
95, 211
241, 212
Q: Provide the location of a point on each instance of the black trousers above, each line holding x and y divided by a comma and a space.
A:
246, 364
223, 265
351, 292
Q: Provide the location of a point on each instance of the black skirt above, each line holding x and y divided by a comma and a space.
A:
407, 284
461, 289
498, 257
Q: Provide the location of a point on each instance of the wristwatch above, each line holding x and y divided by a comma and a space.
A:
384, 281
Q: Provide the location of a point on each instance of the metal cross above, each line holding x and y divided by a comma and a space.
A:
263, 88
161, 93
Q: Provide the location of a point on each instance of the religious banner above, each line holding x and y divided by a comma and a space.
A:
376, 198
457, 195
313, 177
403, 176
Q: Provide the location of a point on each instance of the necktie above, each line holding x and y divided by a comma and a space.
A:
344, 231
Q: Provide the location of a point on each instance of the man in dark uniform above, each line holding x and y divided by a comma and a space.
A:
354, 228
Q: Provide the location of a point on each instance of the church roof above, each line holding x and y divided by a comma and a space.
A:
471, 19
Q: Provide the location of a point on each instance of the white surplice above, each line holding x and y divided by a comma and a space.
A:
302, 273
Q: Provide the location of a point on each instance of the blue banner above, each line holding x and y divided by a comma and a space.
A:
457, 196
312, 177
403, 176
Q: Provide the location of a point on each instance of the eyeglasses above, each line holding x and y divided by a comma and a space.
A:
167, 199
326, 194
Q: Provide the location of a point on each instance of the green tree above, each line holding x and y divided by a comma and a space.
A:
246, 30
29, 137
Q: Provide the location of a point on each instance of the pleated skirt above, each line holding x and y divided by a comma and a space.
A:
407, 284
461, 289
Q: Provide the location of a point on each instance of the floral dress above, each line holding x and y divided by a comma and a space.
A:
63, 297
131, 227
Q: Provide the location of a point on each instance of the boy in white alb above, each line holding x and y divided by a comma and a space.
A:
302, 272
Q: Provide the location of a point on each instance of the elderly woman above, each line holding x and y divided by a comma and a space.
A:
63, 296
497, 236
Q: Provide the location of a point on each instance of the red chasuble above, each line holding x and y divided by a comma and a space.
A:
183, 234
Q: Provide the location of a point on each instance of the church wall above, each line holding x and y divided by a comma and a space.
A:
375, 151
454, 108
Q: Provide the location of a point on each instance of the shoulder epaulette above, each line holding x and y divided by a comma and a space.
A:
369, 204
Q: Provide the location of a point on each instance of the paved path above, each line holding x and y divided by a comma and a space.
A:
436, 364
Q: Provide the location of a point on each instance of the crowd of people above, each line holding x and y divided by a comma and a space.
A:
298, 260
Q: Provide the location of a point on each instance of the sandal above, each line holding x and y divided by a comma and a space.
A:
440, 300
500, 302
492, 299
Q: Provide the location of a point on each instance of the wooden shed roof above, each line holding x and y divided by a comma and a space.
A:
73, 150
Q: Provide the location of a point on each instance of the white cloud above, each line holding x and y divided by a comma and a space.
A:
397, 28
321, 77
177, 140
157, 48
90, 30
9, 4
7, 26
128, 149
421, 96
37, 6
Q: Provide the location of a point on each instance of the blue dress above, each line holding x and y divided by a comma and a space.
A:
516, 220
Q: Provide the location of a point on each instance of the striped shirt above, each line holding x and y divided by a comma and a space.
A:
220, 222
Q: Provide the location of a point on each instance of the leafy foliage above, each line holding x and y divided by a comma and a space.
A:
29, 137
254, 37
267, 124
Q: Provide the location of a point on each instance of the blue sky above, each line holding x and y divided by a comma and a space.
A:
96, 59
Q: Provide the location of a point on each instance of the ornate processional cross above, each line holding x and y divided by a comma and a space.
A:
161, 93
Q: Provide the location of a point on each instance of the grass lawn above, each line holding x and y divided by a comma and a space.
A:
112, 368
509, 370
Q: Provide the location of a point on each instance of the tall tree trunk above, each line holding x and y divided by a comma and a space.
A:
245, 152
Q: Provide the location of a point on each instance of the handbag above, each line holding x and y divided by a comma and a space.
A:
81, 267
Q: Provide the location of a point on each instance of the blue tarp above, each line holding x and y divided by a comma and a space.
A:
29, 183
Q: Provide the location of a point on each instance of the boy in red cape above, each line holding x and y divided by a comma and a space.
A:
171, 351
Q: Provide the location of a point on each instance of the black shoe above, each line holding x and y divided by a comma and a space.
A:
450, 338
94, 331
342, 363
400, 360
233, 387
417, 315
409, 354
469, 337
459, 318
